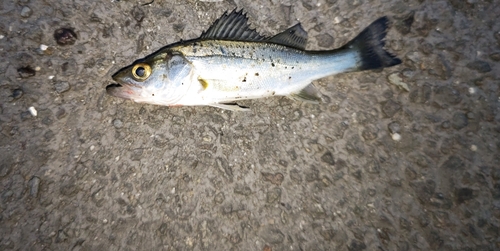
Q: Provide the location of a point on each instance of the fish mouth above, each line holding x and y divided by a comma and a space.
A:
125, 91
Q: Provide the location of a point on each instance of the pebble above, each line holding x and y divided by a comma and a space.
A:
459, 120
403, 25
394, 127
413, 56
138, 14
60, 113
34, 184
65, 36
117, 123
272, 235
136, 154
356, 245
25, 115
464, 194
26, 12
219, 198
473, 148
273, 195
32, 111
328, 158
274, 178
17, 93
447, 95
325, 40
453, 162
446, 124
426, 48
390, 108
26, 72
61, 86
396, 136
370, 132
242, 190
495, 56
480, 66
43, 47
396, 80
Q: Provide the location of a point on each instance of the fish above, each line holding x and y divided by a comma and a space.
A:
231, 62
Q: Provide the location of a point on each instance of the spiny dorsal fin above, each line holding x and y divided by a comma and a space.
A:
232, 26
294, 36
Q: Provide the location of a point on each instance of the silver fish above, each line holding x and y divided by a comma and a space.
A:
231, 62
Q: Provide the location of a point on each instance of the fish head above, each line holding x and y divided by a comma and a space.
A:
161, 79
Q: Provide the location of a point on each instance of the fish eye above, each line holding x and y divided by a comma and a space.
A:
141, 71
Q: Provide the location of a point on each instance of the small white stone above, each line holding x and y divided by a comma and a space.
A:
51, 76
117, 158
38, 68
473, 148
472, 90
92, 147
2, 36
105, 221
33, 111
396, 136
43, 47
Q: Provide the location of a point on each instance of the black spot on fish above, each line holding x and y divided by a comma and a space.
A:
244, 79
289, 78
286, 67
272, 64
257, 74
293, 67
274, 93
153, 94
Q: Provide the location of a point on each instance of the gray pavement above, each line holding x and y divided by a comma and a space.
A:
376, 166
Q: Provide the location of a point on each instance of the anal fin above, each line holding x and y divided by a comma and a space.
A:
309, 94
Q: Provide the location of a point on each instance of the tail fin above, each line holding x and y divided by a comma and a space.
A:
370, 44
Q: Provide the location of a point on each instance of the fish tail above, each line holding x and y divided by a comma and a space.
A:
370, 46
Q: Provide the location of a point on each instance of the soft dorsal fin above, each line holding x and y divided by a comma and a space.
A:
232, 26
294, 36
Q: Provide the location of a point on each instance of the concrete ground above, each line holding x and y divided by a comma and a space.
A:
376, 166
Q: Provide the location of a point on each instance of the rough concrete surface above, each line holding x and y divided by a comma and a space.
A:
374, 167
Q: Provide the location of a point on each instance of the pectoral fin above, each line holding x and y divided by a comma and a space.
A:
309, 94
231, 106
